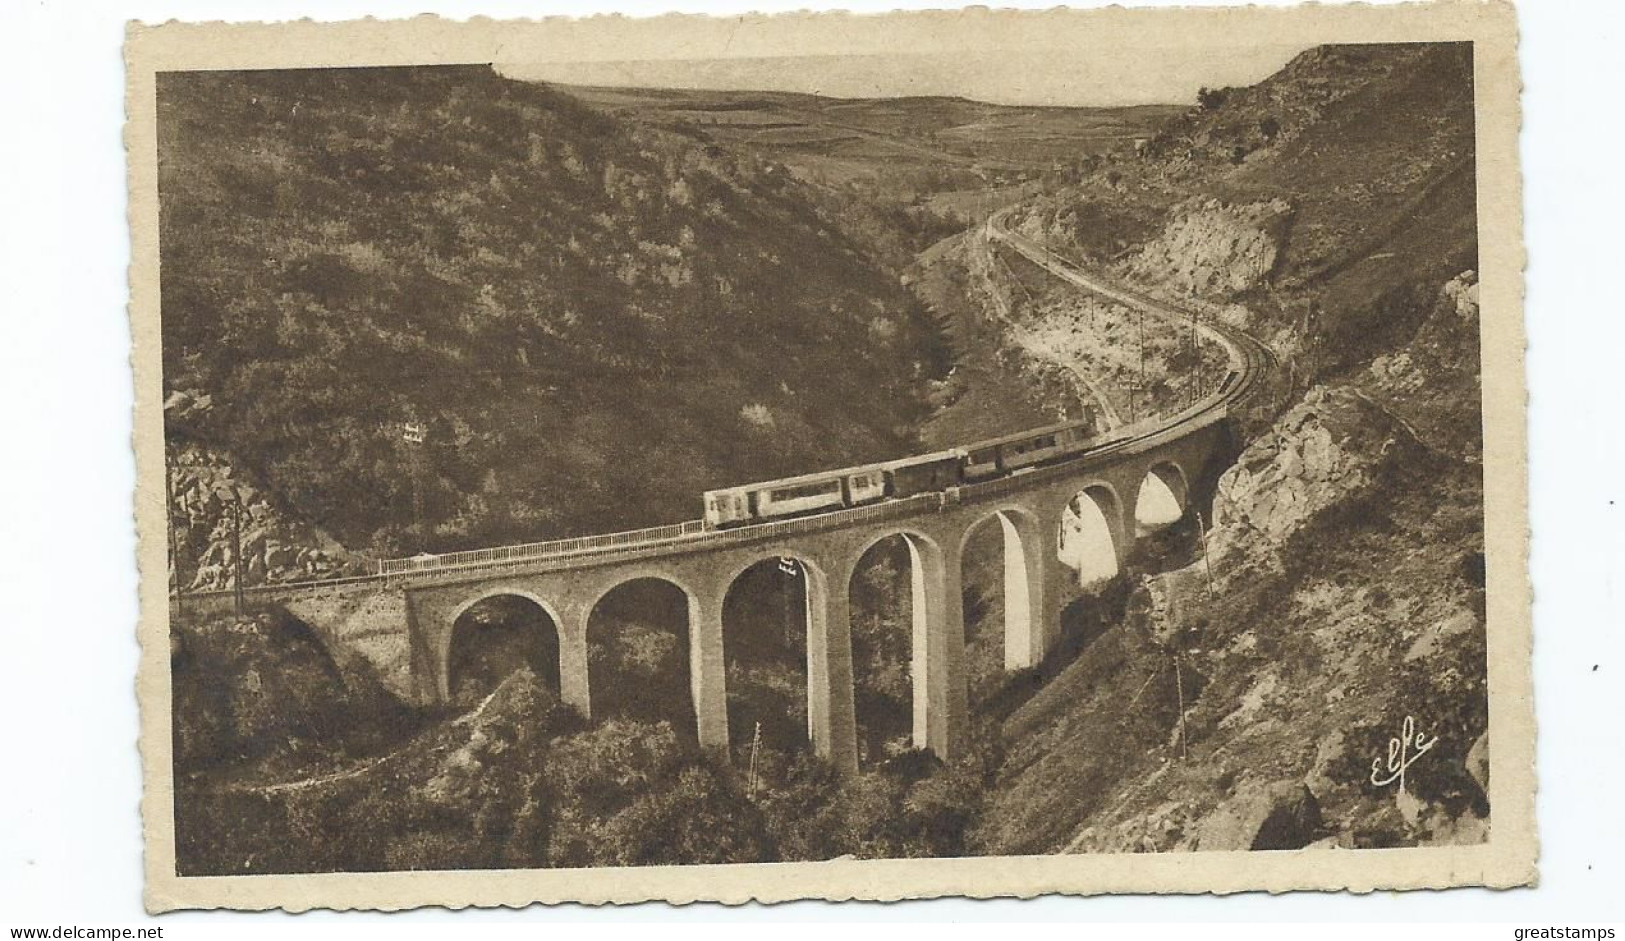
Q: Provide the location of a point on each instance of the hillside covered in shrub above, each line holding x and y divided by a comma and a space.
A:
1331, 200
1341, 590
590, 321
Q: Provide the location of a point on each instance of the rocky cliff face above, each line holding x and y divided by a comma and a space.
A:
1345, 605
1330, 448
1341, 602
1213, 248
1431, 385
275, 547
1302, 693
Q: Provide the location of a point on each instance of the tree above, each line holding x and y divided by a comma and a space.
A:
1211, 99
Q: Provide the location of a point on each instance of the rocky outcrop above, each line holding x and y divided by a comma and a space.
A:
1322, 452
1462, 291
266, 688
1279, 816
205, 488
1213, 249
1343, 604
1255, 815
1478, 763
1432, 382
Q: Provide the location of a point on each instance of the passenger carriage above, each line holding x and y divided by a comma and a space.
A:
939, 472
927, 473
793, 496
1011, 453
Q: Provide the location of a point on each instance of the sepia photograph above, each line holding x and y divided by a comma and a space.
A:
991, 436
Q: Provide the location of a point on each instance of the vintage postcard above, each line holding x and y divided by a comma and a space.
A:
980, 453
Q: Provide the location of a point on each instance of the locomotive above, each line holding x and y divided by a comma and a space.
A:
891, 480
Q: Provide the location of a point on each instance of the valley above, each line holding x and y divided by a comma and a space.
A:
781, 283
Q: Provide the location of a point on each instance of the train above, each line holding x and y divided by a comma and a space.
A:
891, 480
939, 472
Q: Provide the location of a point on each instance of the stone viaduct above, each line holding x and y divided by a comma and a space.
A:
362, 620
401, 624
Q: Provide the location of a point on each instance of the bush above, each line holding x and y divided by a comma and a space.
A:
699, 816
1211, 99
629, 793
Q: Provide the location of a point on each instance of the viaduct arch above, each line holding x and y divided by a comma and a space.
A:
1024, 542
612, 656
468, 634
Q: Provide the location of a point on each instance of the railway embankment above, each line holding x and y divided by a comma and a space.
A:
1031, 350
994, 387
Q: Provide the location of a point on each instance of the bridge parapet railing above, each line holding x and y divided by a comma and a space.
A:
695, 535
541, 550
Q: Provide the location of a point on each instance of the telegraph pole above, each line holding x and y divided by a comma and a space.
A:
415, 434
755, 746
1179, 686
1196, 353
1207, 560
1196, 360
1142, 346
1143, 387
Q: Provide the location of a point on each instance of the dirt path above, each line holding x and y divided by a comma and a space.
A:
354, 771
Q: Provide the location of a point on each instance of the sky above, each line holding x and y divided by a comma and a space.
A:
1022, 77
1056, 57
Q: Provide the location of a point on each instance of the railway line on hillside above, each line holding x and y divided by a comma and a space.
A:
1249, 358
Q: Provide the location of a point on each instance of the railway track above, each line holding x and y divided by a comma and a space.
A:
1249, 358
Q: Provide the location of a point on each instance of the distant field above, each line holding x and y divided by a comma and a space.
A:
895, 140
792, 134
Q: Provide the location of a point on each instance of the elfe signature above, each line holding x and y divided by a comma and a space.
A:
1402, 753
